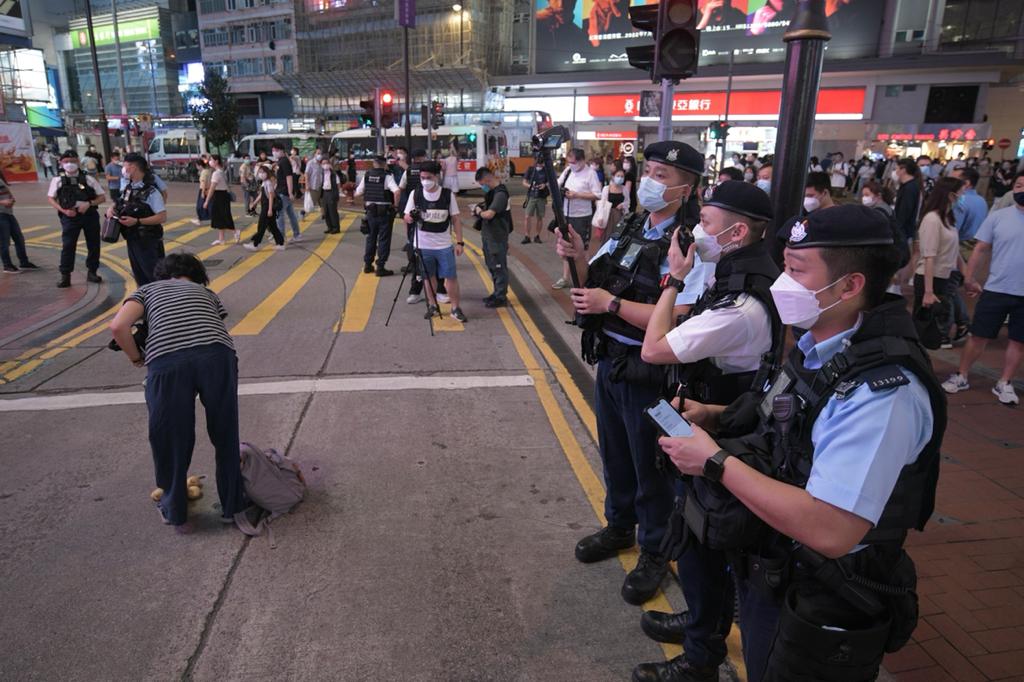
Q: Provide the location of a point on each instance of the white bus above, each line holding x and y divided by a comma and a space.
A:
173, 151
252, 145
479, 145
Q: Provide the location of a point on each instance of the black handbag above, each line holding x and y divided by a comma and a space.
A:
927, 326
110, 232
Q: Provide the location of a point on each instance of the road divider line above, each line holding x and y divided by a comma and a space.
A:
585, 474
359, 305
70, 401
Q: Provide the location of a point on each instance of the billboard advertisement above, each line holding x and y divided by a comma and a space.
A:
17, 157
590, 35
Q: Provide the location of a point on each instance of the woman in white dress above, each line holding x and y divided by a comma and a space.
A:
450, 168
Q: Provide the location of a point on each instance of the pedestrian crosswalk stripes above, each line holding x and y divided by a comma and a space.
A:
359, 304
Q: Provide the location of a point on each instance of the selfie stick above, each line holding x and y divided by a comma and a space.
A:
543, 144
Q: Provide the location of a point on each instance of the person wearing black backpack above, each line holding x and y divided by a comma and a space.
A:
496, 224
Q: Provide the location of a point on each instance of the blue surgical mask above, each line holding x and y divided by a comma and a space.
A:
651, 194
485, 188
619, 180
765, 185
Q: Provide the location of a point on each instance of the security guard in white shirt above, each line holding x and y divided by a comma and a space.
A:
732, 332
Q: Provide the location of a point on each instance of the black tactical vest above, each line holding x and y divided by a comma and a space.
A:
632, 271
375, 187
436, 215
132, 203
751, 271
74, 189
879, 352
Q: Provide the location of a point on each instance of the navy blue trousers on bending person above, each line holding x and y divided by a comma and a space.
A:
143, 254
89, 223
638, 493
378, 242
709, 589
10, 231
172, 383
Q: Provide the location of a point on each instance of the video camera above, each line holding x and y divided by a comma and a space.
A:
544, 143
550, 139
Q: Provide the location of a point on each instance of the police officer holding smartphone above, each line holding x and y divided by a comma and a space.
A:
623, 283
732, 336
825, 470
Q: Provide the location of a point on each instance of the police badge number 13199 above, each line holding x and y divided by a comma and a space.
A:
668, 420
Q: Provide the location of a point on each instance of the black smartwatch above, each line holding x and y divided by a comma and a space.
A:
614, 305
714, 467
670, 281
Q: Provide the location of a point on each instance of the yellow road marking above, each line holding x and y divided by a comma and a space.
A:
259, 317
359, 305
34, 228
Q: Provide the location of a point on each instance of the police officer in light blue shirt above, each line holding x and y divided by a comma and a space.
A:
840, 461
622, 283
141, 212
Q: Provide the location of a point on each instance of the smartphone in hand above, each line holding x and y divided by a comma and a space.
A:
668, 420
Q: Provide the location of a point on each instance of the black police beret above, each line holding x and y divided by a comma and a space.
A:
69, 154
419, 153
135, 157
380, 158
844, 225
431, 167
676, 154
742, 198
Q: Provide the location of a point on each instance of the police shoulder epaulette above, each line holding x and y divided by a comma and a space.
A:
725, 301
885, 377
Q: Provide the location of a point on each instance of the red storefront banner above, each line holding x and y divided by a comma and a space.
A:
746, 103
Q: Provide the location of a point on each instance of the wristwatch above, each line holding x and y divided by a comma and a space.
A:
461, 243
714, 466
614, 306
669, 281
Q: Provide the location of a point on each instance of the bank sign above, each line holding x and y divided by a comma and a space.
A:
127, 32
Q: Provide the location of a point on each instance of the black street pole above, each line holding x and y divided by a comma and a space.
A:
408, 94
805, 51
104, 132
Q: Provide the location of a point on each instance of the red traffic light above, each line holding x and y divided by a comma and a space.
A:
387, 98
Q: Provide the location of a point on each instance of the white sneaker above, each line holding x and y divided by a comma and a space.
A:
443, 298
195, 221
249, 246
955, 383
414, 298
216, 242
560, 283
1004, 391
238, 237
279, 247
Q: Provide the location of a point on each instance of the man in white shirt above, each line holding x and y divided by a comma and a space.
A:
435, 213
580, 189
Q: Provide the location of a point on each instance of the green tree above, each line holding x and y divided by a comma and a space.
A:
217, 116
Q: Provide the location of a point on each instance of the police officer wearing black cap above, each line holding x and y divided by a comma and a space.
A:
821, 474
141, 211
732, 336
623, 282
76, 195
378, 189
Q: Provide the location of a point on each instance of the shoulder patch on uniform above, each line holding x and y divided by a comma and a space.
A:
885, 377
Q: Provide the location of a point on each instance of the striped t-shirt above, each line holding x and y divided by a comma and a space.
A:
181, 314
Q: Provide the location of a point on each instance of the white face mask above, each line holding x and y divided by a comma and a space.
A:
70, 168
124, 172
867, 201
262, 175
811, 204
747, 177
619, 180
709, 248
895, 175
651, 193
318, 156
429, 184
798, 305
326, 166
576, 166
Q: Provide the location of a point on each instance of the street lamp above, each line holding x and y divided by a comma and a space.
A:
457, 8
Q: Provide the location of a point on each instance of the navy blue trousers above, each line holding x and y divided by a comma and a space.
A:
89, 223
638, 493
759, 620
143, 254
172, 383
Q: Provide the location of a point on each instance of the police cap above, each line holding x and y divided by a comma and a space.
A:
419, 153
742, 198
136, 158
69, 154
844, 225
431, 167
676, 154
380, 158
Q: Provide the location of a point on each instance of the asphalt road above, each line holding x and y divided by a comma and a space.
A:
451, 476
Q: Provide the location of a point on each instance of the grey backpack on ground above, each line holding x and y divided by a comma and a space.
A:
273, 483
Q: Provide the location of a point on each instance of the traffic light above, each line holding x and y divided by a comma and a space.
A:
387, 101
436, 114
989, 145
366, 118
471, 137
673, 24
718, 130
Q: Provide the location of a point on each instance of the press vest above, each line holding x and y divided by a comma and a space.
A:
751, 271
436, 214
375, 187
74, 189
632, 271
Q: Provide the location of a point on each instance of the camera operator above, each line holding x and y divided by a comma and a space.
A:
188, 353
76, 195
435, 213
379, 188
496, 219
732, 332
622, 287
821, 473
141, 212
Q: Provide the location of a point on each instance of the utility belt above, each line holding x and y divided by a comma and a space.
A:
143, 231
380, 210
626, 365
836, 621
91, 211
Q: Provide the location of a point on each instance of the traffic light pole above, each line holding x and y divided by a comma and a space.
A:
665, 124
721, 142
376, 121
104, 130
805, 50
408, 120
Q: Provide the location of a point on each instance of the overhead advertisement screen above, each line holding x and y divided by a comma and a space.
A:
592, 35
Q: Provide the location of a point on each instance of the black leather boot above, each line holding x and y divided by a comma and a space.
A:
604, 544
664, 627
644, 580
676, 670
